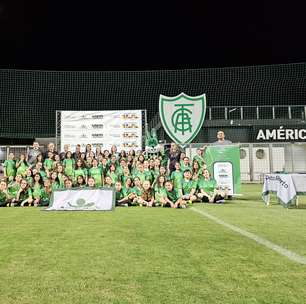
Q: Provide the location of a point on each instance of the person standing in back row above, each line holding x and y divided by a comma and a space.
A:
221, 139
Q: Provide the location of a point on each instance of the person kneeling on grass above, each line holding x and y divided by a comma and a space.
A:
24, 195
208, 191
187, 190
147, 196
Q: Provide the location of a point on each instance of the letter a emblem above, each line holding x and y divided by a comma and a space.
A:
182, 116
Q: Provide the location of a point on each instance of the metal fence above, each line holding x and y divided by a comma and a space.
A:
255, 159
258, 159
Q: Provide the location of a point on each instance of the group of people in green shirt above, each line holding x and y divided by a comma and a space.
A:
138, 178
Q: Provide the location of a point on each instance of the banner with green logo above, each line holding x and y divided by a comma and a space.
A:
223, 162
85, 199
182, 116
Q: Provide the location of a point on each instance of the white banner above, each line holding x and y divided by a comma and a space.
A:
104, 128
223, 174
83, 199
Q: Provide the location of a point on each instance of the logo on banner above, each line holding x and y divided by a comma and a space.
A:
182, 116
97, 116
97, 126
97, 135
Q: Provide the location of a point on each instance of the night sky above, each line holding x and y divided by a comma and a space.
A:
149, 34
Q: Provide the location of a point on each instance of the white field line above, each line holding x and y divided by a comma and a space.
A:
281, 250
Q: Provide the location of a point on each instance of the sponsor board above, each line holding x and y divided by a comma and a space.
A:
120, 128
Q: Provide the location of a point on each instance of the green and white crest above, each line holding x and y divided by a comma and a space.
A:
182, 116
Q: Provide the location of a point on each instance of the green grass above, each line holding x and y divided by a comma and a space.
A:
140, 255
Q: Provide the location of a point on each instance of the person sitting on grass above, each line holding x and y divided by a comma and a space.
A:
4, 194
187, 190
160, 190
208, 190
24, 195
147, 196
42, 198
121, 199
54, 181
171, 196
13, 187
37, 189
136, 190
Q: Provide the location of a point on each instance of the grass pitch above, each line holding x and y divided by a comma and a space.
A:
153, 255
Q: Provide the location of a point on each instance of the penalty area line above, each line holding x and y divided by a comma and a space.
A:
280, 250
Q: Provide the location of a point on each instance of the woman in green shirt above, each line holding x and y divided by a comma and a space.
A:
207, 189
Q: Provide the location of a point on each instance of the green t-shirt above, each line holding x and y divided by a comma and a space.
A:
119, 195
188, 185
159, 192
69, 166
22, 169
148, 175
3, 197
96, 174
13, 188
126, 191
184, 167
177, 179
44, 195
55, 186
113, 176
207, 185
137, 191
37, 190
25, 194
173, 195
200, 160
140, 175
10, 167
80, 172
49, 164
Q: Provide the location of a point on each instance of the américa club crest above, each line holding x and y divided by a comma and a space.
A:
182, 116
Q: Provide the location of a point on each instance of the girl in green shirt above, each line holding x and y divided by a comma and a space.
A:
22, 166
160, 190
24, 195
207, 188
10, 167
69, 164
80, 170
4, 195
96, 173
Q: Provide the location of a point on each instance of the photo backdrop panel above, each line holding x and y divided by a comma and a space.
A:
105, 128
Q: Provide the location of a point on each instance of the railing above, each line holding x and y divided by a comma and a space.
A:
292, 112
